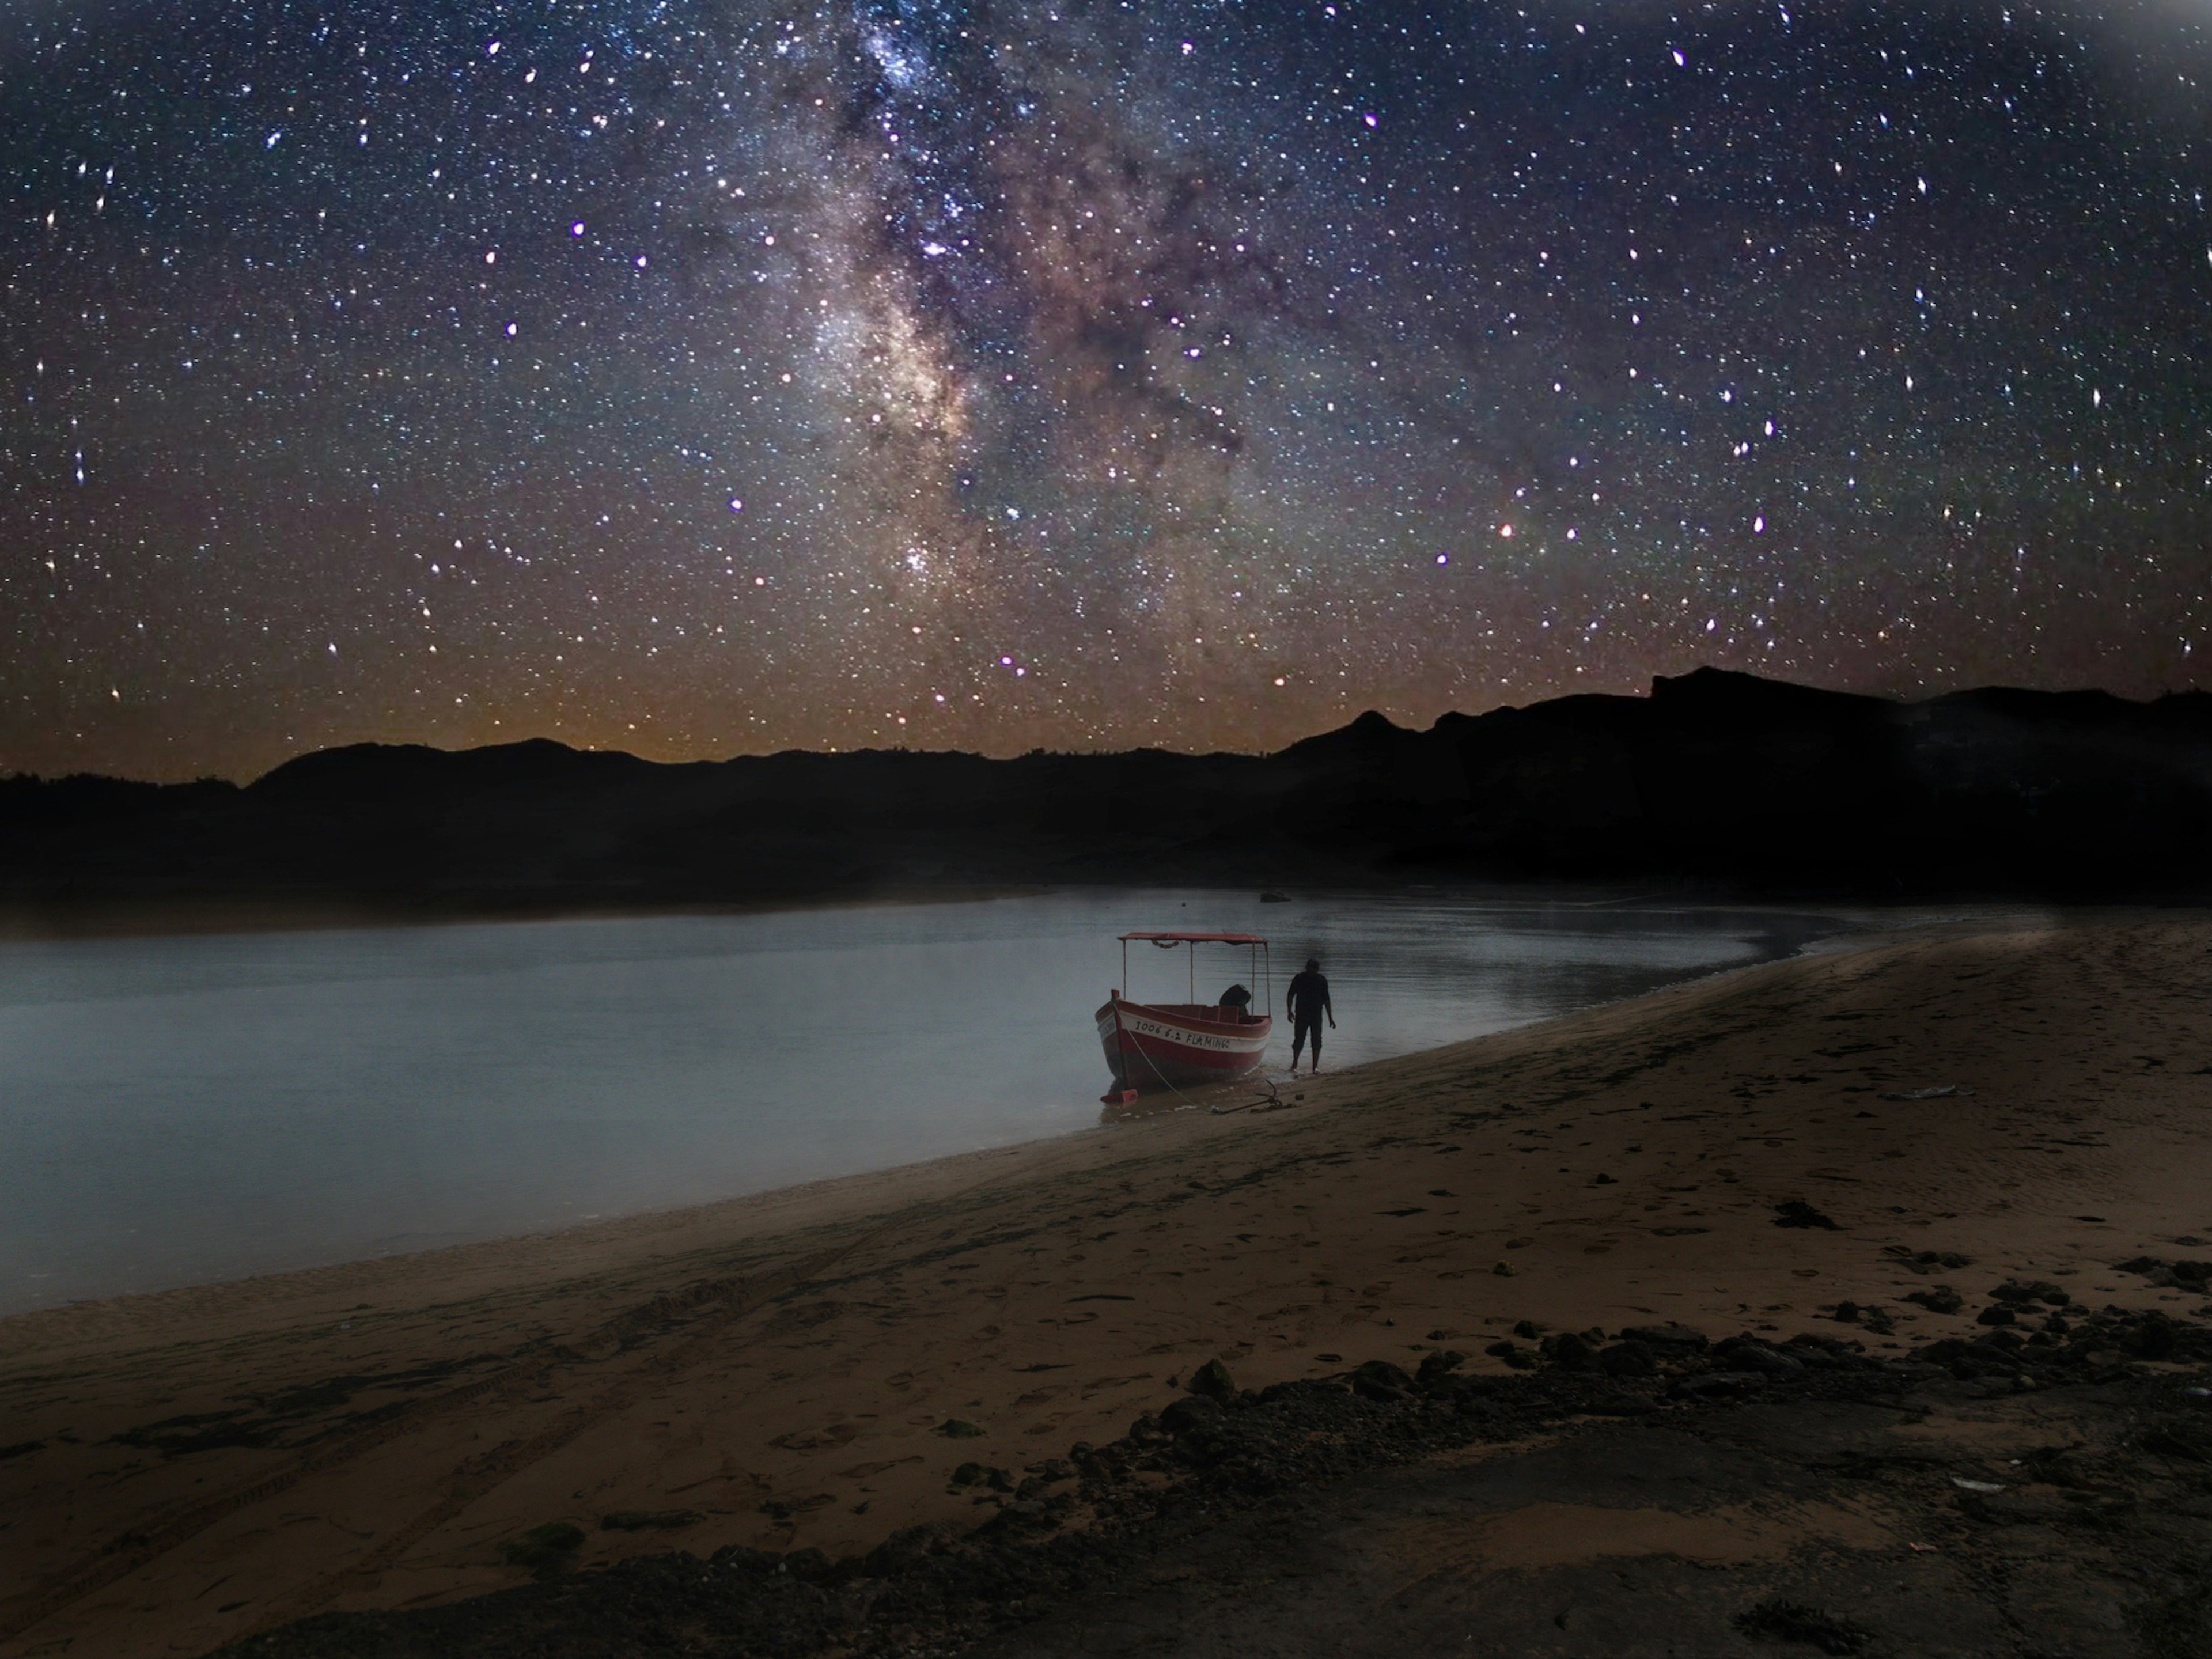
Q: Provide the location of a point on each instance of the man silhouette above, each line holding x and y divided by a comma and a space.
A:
1309, 1001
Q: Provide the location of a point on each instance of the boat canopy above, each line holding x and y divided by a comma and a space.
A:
1262, 968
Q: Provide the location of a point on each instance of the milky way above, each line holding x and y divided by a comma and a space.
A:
699, 377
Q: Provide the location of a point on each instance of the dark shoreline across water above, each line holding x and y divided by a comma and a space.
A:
1717, 785
156, 919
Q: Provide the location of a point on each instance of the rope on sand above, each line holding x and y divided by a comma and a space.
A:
1272, 1100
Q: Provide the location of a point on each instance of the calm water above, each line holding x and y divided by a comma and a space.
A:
174, 1110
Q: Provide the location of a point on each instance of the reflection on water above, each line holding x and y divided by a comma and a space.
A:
178, 1110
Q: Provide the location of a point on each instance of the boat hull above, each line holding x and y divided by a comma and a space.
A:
1151, 1046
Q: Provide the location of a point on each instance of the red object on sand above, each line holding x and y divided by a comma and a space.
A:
1181, 1045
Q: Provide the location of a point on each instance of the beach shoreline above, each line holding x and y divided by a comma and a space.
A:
782, 1366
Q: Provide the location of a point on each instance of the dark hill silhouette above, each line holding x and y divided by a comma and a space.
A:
1718, 780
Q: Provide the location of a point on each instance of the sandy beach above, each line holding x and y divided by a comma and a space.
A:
806, 1369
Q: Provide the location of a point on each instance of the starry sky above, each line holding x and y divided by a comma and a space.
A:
701, 377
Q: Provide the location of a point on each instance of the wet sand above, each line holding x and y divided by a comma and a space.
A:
181, 1470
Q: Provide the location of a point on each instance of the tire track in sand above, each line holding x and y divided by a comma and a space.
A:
134, 1549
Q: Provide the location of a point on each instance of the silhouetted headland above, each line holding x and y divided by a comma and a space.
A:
1716, 782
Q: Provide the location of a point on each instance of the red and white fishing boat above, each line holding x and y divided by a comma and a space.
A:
1184, 1045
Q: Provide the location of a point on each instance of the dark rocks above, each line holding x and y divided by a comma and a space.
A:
646, 1520
1853, 1313
2063, 1466
544, 1550
1949, 1349
1718, 1385
1824, 1353
1378, 1379
1191, 1412
942, 1590
1797, 1213
2021, 1295
958, 1428
1435, 1366
1941, 1298
2013, 1508
1793, 1621
1998, 1314
1741, 1353
2193, 1276
2190, 1442
2098, 1348
1619, 1404
757, 1564
1519, 1359
1996, 1348
908, 1549
1925, 1262
1212, 1381
1628, 1359
2154, 1337
2097, 1341
1570, 1351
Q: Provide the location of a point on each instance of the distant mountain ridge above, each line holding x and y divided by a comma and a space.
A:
1718, 780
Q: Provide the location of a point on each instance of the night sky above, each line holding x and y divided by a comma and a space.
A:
700, 377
